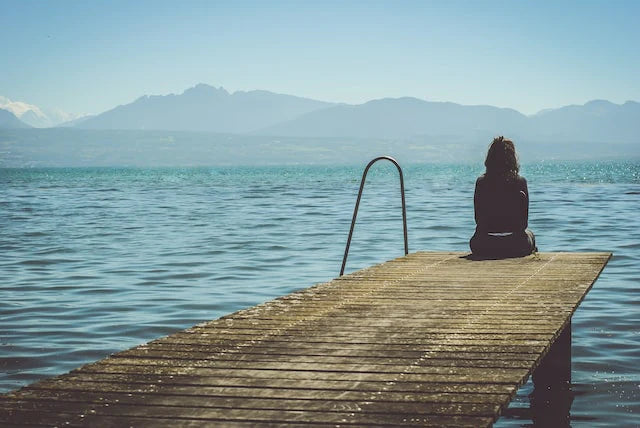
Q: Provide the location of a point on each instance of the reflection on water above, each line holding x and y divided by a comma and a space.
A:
98, 260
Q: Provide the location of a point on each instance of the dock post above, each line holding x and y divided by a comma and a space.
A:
552, 397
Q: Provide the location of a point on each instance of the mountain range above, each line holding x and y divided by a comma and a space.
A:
209, 109
204, 108
407, 117
210, 126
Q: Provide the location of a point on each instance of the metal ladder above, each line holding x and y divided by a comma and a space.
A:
355, 210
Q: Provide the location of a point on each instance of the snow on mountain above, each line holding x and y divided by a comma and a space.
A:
36, 116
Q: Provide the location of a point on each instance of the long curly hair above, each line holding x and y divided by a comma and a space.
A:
502, 160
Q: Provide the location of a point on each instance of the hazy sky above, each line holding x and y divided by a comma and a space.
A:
89, 56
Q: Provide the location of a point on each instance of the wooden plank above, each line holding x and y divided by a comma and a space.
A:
139, 381
241, 418
105, 392
430, 339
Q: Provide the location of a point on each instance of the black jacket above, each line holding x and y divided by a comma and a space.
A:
501, 205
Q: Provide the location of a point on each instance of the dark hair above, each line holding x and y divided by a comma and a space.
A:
502, 160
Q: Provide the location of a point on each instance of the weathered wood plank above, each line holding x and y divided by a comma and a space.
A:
361, 355
186, 406
268, 361
108, 392
239, 419
138, 381
430, 339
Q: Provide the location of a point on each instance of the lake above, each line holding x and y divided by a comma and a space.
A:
97, 260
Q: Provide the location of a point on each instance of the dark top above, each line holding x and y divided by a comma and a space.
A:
501, 205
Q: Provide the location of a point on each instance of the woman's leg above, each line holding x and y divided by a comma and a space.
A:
484, 245
516, 245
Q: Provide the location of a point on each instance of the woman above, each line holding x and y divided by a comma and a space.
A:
501, 203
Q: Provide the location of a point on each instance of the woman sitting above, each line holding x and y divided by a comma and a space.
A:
501, 203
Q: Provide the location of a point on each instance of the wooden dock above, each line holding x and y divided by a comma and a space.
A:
429, 339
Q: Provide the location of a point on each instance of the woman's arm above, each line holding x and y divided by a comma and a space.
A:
524, 191
478, 208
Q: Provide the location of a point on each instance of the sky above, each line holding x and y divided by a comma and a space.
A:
88, 57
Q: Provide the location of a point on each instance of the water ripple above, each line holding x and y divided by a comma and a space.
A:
93, 261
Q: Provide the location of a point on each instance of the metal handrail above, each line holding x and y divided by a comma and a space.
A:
355, 210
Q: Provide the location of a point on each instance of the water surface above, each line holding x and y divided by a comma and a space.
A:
93, 261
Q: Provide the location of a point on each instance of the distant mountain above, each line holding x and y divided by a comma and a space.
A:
9, 120
34, 115
401, 117
408, 117
209, 109
205, 108
597, 120
74, 122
